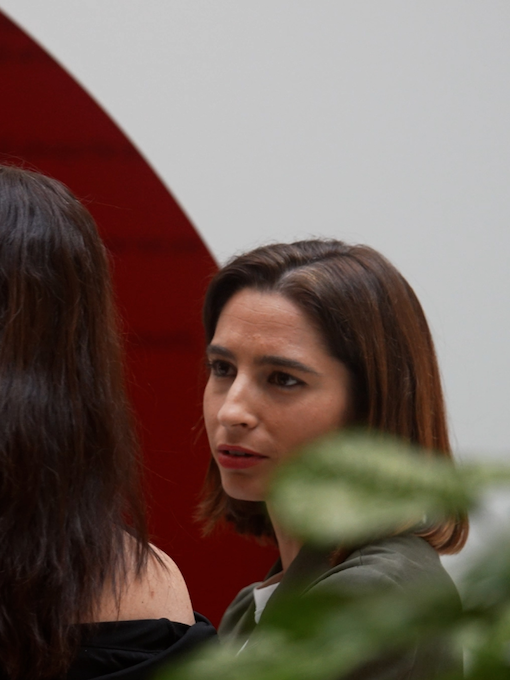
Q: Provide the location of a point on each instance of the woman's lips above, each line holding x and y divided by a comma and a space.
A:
237, 457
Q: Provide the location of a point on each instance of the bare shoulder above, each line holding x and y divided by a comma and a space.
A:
159, 591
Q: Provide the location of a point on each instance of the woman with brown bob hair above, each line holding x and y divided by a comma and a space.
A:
82, 592
305, 338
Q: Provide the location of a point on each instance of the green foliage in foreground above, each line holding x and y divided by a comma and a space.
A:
349, 489
352, 487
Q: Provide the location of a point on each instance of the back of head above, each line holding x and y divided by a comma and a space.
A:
371, 321
68, 458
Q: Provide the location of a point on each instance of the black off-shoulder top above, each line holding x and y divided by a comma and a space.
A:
135, 650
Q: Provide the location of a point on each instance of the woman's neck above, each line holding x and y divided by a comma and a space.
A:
287, 545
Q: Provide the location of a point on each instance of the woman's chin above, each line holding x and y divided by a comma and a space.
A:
240, 493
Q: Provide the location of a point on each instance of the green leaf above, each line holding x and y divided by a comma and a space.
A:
348, 489
352, 487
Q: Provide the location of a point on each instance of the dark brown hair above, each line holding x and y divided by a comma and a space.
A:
69, 483
372, 322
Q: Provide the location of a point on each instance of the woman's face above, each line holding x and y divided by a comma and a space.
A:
272, 387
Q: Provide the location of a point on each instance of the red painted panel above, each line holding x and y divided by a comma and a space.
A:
161, 268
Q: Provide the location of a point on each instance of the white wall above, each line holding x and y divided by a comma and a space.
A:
381, 122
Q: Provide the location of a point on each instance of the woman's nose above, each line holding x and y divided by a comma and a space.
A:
237, 409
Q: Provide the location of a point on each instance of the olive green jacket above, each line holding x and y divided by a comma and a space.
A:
396, 562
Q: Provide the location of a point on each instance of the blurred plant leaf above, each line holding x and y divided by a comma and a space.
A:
327, 635
487, 583
352, 487
349, 489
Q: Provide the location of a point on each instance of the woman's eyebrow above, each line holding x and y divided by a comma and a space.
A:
283, 362
220, 351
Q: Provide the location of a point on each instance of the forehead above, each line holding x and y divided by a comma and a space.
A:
268, 318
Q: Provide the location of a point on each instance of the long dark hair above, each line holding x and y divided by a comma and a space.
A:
372, 322
69, 482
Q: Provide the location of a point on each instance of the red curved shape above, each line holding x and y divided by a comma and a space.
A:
161, 268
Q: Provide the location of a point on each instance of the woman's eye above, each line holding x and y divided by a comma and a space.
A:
281, 379
220, 368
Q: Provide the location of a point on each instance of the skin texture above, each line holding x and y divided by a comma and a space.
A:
159, 592
253, 400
